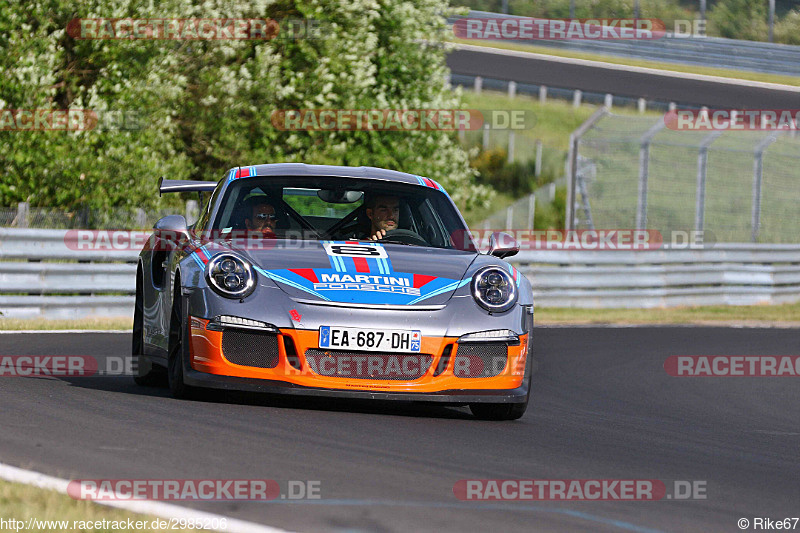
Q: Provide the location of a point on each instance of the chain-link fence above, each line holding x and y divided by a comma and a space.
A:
24, 216
633, 172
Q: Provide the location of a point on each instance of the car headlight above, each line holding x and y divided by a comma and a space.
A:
230, 275
494, 289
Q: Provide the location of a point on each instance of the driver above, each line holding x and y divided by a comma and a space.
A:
384, 215
262, 218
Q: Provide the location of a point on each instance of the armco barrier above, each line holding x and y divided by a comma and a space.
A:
755, 56
42, 277
726, 274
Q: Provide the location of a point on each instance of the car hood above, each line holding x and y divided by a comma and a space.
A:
361, 272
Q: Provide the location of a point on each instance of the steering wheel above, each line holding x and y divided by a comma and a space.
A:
405, 236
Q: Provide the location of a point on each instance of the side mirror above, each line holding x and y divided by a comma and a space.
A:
502, 245
172, 228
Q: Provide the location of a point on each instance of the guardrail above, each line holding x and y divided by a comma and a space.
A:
727, 274
42, 277
714, 52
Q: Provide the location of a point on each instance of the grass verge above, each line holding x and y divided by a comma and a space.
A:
689, 69
787, 315
7, 324
24, 502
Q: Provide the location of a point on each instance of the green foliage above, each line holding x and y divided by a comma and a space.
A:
787, 30
739, 19
204, 106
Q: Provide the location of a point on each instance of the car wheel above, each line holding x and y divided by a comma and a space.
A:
178, 349
498, 411
146, 373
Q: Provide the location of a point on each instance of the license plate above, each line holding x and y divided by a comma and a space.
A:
370, 340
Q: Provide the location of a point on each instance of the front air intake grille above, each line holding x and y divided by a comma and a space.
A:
250, 348
368, 365
480, 360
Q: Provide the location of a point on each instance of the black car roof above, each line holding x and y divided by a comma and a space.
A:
301, 169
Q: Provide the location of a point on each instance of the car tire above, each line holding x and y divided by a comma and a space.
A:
178, 349
498, 411
146, 373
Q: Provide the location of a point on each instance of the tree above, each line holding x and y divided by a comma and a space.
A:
197, 108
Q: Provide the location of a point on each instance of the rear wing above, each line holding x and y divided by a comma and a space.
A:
185, 186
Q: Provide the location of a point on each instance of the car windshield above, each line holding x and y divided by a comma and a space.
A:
330, 208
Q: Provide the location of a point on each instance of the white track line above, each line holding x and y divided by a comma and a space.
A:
628, 68
159, 509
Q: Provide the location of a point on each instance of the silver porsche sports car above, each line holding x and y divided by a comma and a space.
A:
333, 281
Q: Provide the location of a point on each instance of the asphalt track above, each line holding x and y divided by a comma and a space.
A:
556, 72
602, 408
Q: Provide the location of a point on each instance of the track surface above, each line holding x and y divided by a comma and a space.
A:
602, 407
555, 73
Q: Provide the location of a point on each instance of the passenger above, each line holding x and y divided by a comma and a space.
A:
262, 218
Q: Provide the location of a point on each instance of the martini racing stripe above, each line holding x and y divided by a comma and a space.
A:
446, 288
281, 279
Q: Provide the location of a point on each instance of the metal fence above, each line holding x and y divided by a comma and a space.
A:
633, 172
714, 52
41, 276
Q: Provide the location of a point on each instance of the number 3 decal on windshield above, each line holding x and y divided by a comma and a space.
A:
354, 249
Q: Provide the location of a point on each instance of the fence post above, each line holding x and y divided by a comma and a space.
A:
537, 169
644, 172
758, 168
23, 213
702, 164
531, 209
141, 218
511, 140
672, 106
509, 216
485, 136
609, 101
542, 94
572, 163
192, 211
576, 98
642, 105
512, 89
478, 84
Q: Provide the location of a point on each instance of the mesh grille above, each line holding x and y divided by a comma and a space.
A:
484, 360
250, 348
368, 365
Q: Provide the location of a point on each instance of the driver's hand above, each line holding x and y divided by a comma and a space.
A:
380, 234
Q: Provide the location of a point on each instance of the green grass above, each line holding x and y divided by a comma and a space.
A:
23, 502
690, 69
788, 314
553, 123
17, 324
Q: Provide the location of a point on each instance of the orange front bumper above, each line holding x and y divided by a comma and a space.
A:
206, 355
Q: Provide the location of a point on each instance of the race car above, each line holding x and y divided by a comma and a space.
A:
333, 281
